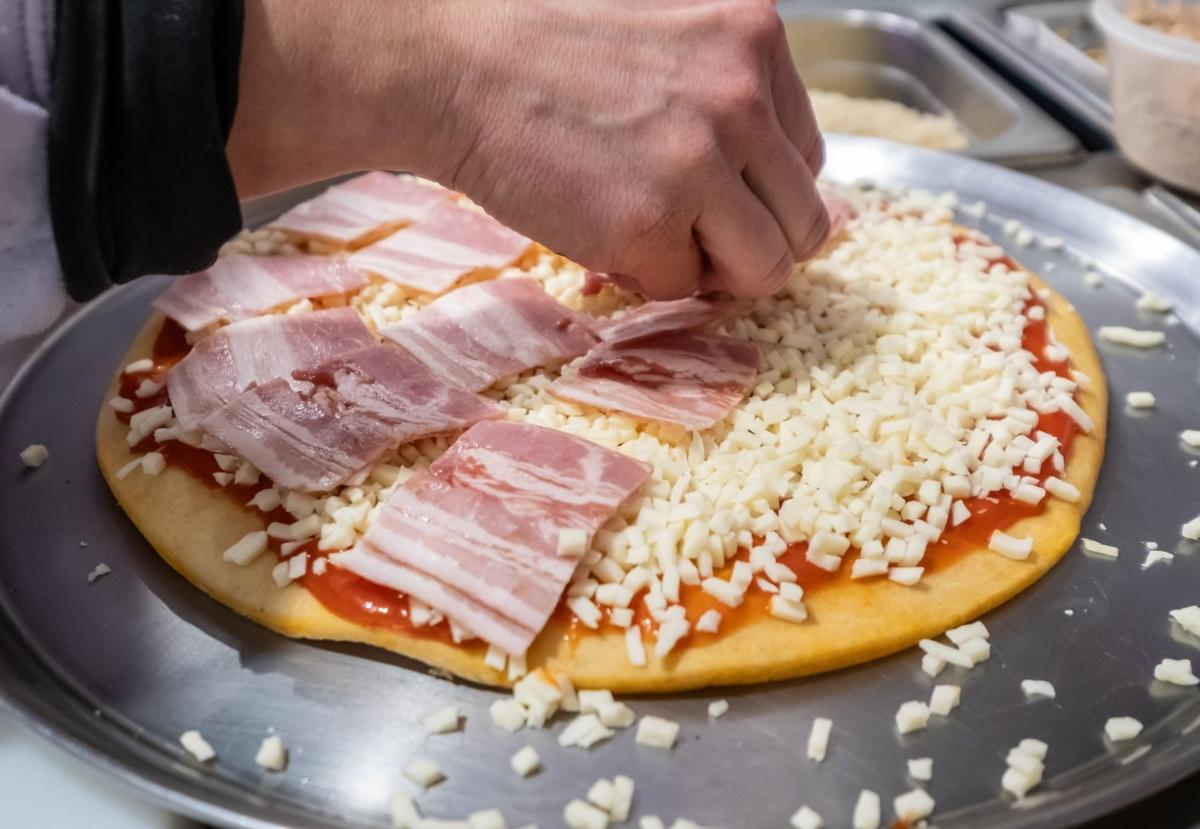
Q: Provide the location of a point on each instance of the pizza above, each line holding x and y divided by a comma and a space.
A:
388, 419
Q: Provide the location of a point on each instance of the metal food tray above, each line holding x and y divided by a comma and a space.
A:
880, 54
987, 32
116, 670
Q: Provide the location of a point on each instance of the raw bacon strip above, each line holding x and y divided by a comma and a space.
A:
692, 380
237, 287
354, 212
653, 318
256, 350
474, 336
477, 535
451, 242
341, 416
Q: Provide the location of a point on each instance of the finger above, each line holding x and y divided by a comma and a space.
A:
665, 270
794, 109
746, 249
782, 181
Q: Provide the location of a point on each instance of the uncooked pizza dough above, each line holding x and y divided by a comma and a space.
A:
191, 524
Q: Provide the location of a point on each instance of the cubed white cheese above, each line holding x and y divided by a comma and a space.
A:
34, 455
1188, 618
709, 621
139, 366
1191, 437
507, 714
271, 755
977, 650
1140, 400
931, 665
657, 732
600, 794
921, 769
405, 814
622, 800
1098, 548
197, 746
572, 543
1010, 546
591, 700
1176, 672
1191, 530
584, 732
615, 714
718, 708
424, 772
486, 819
247, 548
579, 814
1150, 301
913, 805
526, 761
965, 633
98, 571
121, 404
1121, 335
1062, 489
442, 721
866, 811
1037, 689
912, 716
806, 818
944, 699
818, 738
1118, 729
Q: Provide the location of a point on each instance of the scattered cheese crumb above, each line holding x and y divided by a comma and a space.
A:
1154, 556
1009, 546
806, 818
818, 739
580, 814
1140, 400
622, 800
153, 463
600, 794
866, 810
486, 819
977, 650
718, 708
98, 571
945, 653
1188, 618
584, 732
526, 761
247, 548
138, 366
1121, 335
965, 633
121, 404
197, 746
1191, 437
921, 769
424, 772
912, 716
1025, 767
657, 732
271, 755
1119, 729
1154, 302
1176, 672
931, 665
1191, 530
615, 714
1037, 689
442, 721
34, 455
1061, 489
508, 714
913, 805
944, 699
404, 812
1096, 547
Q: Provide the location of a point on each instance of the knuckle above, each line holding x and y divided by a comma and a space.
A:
757, 22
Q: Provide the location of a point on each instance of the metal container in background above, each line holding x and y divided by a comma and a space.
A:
1047, 47
879, 54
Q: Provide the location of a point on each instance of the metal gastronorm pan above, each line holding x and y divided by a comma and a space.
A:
117, 669
879, 54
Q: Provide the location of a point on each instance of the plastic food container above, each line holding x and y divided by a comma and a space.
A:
1155, 95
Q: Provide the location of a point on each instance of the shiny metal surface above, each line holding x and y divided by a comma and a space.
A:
879, 54
117, 669
985, 28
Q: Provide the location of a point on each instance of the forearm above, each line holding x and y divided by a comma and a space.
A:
328, 88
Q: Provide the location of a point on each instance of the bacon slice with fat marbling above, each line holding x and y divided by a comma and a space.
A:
432, 255
476, 536
335, 419
479, 333
664, 317
257, 350
237, 287
354, 212
693, 380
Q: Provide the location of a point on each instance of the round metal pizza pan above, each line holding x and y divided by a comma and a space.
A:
115, 670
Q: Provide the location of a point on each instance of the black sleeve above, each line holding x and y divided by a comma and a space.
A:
142, 99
